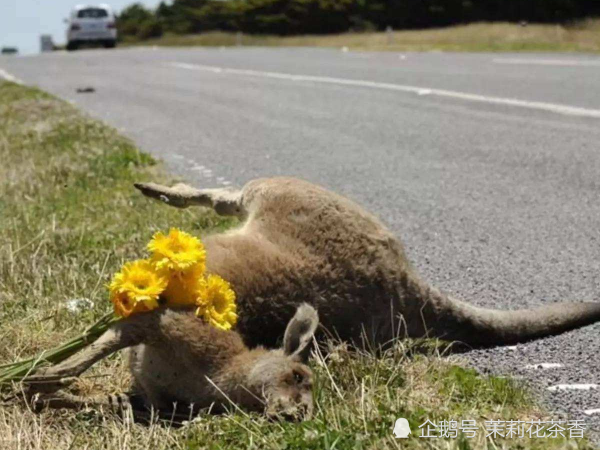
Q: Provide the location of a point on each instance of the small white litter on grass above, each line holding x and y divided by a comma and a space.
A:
77, 305
591, 412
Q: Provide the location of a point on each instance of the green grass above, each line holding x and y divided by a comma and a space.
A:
69, 217
477, 37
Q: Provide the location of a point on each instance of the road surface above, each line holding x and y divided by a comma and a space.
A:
486, 165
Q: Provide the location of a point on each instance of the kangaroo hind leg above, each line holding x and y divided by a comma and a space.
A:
225, 201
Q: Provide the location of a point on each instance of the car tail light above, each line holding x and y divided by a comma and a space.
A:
75, 27
111, 25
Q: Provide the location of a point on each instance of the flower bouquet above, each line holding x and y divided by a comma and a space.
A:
174, 275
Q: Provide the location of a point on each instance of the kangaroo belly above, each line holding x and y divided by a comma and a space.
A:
302, 243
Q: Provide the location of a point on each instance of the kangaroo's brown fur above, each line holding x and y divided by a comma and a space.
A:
299, 242
177, 359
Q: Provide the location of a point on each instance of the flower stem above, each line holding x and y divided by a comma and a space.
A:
20, 370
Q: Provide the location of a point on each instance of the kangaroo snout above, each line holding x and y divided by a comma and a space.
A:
284, 409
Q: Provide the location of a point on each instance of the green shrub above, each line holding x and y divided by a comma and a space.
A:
150, 28
288, 17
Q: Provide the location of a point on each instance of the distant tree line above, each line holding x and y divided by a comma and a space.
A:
286, 17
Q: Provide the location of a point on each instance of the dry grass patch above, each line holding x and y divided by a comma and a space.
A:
69, 217
478, 37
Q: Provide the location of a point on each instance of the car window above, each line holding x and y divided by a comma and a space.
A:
92, 13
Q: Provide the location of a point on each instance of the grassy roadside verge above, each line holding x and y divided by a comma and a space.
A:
69, 216
478, 37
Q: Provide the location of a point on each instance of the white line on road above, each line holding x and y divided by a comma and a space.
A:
547, 62
551, 107
573, 387
202, 170
544, 366
8, 77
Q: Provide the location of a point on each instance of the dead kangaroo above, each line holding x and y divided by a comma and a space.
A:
299, 242
177, 359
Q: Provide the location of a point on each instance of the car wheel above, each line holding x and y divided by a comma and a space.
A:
110, 44
72, 45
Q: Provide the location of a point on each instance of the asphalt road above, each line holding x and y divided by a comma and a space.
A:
486, 165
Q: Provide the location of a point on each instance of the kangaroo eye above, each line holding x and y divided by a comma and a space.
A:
298, 377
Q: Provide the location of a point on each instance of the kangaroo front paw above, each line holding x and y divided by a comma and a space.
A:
46, 384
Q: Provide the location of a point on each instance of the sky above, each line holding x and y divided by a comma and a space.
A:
23, 21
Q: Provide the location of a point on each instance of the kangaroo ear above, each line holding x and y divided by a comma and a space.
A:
300, 331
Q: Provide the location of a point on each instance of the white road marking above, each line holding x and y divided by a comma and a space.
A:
591, 412
8, 77
544, 366
542, 106
204, 171
547, 62
573, 387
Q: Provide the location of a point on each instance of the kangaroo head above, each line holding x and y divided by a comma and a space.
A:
281, 377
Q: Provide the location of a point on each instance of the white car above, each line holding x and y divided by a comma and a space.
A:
91, 24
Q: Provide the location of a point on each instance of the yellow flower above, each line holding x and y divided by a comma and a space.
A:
124, 306
216, 303
183, 287
136, 288
176, 251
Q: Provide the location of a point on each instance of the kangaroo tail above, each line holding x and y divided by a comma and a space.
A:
452, 319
